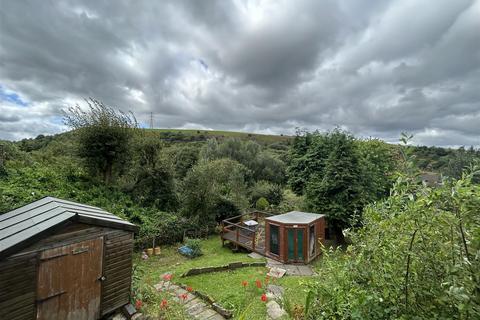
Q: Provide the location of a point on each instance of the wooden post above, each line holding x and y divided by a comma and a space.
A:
253, 241
237, 232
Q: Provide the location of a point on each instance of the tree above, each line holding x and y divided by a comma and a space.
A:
337, 189
262, 164
211, 188
379, 165
273, 193
307, 156
416, 257
103, 134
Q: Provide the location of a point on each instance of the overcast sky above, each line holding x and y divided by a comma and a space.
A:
376, 68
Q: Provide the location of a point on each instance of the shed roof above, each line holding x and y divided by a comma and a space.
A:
296, 217
21, 224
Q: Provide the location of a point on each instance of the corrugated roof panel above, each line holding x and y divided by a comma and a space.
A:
34, 230
29, 222
25, 208
18, 218
25, 222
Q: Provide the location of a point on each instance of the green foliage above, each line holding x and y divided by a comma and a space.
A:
273, 193
184, 157
195, 245
104, 135
262, 204
261, 164
290, 202
37, 143
337, 189
379, 167
208, 186
339, 175
416, 257
155, 187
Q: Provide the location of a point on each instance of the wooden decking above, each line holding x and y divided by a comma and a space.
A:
237, 233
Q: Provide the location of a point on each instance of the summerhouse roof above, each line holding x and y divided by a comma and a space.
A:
296, 217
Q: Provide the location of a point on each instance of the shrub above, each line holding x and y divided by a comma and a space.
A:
194, 244
416, 257
262, 204
272, 192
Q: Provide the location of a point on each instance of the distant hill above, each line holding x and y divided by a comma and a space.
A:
201, 135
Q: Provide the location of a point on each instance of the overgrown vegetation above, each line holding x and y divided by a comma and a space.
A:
414, 252
417, 256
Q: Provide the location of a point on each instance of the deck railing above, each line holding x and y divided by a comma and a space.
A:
243, 235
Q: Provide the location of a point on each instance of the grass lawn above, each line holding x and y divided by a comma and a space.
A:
225, 287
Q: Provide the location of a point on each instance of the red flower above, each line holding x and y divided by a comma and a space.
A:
138, 304
244, 283
183, 296
263, 297
167, 277
164, 304
258, 283
189, 289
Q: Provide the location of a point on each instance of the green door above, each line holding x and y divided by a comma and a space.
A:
295, 244
291, 243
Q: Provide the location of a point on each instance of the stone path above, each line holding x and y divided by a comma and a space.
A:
292, 269
274, 310
194, 306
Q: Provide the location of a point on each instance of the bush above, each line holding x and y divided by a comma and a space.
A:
262, 204
273, 193
194, 244
416, 257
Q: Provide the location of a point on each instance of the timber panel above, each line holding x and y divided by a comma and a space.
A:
17, 287
68, 281
117, 270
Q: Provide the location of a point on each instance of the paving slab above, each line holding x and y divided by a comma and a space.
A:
193, 305
276, 272
274, 311
291, 269
276, 291
205, 314
255, 255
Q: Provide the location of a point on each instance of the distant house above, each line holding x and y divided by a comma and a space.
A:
293, 237
64, 260
431, 179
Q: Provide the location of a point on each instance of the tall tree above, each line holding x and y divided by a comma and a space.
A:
104, 135
213, 190
337, 189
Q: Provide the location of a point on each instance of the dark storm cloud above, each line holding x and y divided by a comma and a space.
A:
376, 68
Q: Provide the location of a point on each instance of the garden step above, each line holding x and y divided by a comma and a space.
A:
194, 306
197, 308
206, 314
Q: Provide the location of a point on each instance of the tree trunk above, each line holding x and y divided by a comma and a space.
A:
107, 173
339, 238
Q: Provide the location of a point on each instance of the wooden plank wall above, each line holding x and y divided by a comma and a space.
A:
18, 274
117, 269
18, 287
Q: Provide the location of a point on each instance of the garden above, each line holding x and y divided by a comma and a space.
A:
241, 291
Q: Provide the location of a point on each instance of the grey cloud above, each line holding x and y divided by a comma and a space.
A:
376, 68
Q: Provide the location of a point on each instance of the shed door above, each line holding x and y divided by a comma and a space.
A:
68, 281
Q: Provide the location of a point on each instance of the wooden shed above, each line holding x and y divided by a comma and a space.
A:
294, 237
64, 260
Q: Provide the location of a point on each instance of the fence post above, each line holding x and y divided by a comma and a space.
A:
253, 240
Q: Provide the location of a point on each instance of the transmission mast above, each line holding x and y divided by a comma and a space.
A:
151, 120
